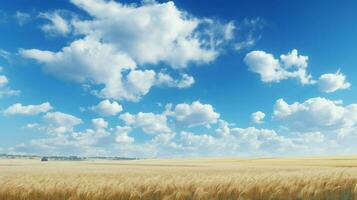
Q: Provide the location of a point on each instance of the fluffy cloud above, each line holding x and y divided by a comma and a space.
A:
312, 135
122, 135
107, 108
99, 123
57, 123
19, 109
257, 117
4, 90
149, 123
64, 139
116, 38
238, 142
317, 114
88, 61
195, 114
153, 32
270, 69
331, 82
140, 82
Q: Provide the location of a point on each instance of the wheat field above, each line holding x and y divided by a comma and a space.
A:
210, 178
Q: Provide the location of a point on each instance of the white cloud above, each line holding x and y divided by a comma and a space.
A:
271, 69
153, 32
317, 114
257, 117
311, 127
83, 62
4, 90
19, 109
331, 82
117, 38
239, 141
149, 123
88, 137
195, 114
99, 123
165, 79
122, 135
140, 82
58, 24
59, 123
223, 128
309, 137
107, 108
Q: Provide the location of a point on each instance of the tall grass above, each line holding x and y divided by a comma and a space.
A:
173, 180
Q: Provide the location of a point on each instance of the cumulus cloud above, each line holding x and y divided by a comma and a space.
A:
140, 82
149, 123
257, 117
195, 114
239, 141
122, 135
270, 69
332, 82
99, 123
57, 123
324, 121
317, 114
153, 32
19, 109
65, 139
88, 61
116, 38
223, 128
107, 108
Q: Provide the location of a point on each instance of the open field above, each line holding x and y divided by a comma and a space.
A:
225, 178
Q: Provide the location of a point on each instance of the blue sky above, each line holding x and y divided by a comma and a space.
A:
182, 78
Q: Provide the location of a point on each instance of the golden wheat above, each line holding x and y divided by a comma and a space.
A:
299, 178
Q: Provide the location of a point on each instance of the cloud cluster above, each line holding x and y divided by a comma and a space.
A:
118, 39
195, 114
60, 123
292, 65
270, 69
317, 114
107, 108
315, 127
19, 109
149, 123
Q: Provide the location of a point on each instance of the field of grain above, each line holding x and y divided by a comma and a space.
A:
228, 178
